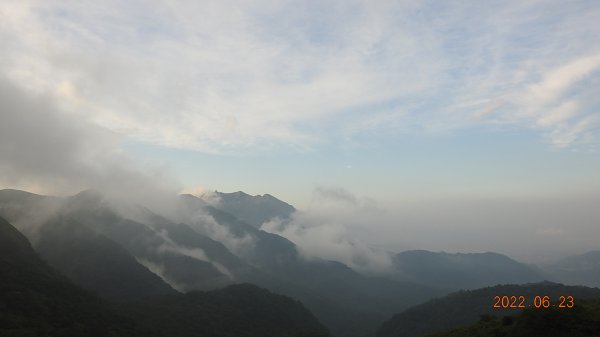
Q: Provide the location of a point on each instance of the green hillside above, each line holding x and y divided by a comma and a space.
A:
235, 311
581, 321
465, 307
35, 300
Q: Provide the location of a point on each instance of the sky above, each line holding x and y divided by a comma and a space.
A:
454, 117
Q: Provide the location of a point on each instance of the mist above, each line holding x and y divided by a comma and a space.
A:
528, 228
362, 233
325, 230
49, 151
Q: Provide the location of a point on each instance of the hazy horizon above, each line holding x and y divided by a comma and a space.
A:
459, 127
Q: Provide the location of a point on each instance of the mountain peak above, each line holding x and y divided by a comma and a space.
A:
254, 210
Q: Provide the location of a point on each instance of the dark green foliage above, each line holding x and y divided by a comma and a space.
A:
37, 301
581, 321
466, 307
236, 311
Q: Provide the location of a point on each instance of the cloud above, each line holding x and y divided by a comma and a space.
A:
202, 222
249, 76
335, 194
169, 246
559, 80
327, 230
54, 151
556, 103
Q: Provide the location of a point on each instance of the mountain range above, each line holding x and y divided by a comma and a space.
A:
36, 300
462, 271
126, 253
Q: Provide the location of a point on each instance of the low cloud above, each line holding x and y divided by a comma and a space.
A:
203, 223
326, 230
47, 150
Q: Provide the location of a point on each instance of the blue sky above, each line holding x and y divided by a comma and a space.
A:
391, 101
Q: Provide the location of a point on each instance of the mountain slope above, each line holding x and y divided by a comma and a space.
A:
37, 301
465, 307
254, 210
239, 310
581, 321
462, 271
96, 263
184, 268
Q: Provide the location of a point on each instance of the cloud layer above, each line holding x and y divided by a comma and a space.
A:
328, 230
246, 76
46, 150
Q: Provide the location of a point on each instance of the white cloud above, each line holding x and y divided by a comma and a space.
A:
238, 76
327, 230
555, 83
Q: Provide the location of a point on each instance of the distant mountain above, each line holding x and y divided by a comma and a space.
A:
581, 321
581, 269
254, 210
462, 271
465, 307
35, 300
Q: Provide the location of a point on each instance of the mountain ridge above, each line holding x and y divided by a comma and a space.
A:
35, 300
465, 307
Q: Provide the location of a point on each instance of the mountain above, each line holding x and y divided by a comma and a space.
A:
348, 303
239, 310
254, 210
199, 263
581, 269
96, 263
465, 307
35, 300
205, 249
581, 321
184, 257
462, 271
